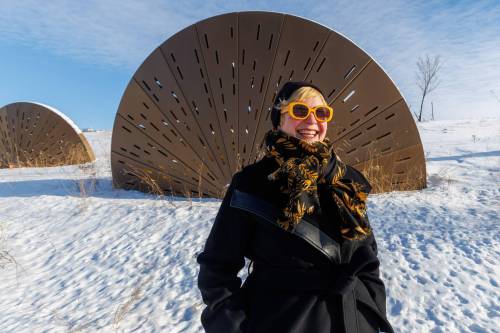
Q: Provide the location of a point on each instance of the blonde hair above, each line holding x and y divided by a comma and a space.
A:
298, 95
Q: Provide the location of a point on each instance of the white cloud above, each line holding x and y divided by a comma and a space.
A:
110, 32
115, 33
394, 32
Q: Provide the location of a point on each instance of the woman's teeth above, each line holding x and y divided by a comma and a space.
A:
308, 134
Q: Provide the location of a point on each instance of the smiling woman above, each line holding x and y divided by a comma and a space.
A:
305, 114
299, 215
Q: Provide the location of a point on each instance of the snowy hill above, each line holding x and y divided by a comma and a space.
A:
77, 255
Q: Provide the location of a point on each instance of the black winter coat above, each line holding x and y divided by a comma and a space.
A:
305, 281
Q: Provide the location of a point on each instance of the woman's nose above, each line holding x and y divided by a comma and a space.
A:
311, 119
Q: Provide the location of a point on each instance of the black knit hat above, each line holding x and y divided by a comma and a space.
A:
286, 91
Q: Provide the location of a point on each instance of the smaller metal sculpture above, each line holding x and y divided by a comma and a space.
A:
36, 135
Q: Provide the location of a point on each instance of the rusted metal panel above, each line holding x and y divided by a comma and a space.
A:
218, 37
300, 44
338, 64
183, 55
164, 130
380, 135
135, 144
164, 101
363, 98
258, 40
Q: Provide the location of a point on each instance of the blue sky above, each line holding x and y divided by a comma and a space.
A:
79, 56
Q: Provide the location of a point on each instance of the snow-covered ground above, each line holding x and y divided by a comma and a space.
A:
77, 255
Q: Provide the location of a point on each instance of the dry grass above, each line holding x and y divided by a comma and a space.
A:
70, 154
70, 325
125, 308
383, 177
200, 180
148, 183
87, 185
6, 258
162, 185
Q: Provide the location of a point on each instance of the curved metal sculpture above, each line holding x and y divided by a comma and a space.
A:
36, 135
197, 109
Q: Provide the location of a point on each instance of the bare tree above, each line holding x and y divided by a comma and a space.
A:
426, 77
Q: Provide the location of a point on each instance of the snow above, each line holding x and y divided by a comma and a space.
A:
78, 255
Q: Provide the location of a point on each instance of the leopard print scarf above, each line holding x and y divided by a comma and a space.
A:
302, 166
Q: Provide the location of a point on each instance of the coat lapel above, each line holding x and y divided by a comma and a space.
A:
305, 230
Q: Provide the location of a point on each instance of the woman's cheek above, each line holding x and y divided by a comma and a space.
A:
323, 128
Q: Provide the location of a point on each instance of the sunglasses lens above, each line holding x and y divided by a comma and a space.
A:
323, 113
300, 111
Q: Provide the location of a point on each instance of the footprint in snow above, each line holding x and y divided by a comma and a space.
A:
396, 308
477, 329
462, 300
421, 279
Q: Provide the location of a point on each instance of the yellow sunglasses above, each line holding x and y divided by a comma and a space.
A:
300, 111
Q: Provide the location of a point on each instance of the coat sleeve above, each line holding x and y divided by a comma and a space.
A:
371, 279
220, 262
